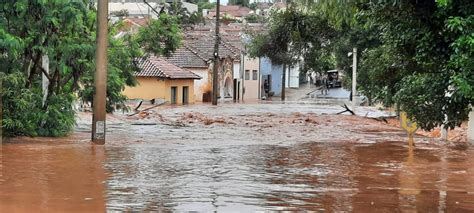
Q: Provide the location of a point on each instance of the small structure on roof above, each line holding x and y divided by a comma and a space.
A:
160, 79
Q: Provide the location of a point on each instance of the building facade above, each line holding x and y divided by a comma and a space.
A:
161, 80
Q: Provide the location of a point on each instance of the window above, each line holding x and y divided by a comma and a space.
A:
255, 75
247, 74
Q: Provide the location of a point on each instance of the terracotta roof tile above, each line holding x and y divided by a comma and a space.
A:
204, 47
232, 10
187, 58
158, 67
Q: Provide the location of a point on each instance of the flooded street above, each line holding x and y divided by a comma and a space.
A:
238, 158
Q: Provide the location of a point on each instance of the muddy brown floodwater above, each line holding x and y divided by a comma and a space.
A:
240, 158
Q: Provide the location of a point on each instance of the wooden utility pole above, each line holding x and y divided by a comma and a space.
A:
215, 72
100, 81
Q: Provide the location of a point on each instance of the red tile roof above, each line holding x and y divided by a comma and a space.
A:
232, 10
158, 67
186, 57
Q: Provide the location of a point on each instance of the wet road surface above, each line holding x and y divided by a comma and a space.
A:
241, 158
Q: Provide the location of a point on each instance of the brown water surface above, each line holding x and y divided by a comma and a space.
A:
196, 168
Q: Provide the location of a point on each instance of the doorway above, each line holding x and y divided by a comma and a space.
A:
236, 91
174, 93
185, 95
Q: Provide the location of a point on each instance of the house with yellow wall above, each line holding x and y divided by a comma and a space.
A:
159, 79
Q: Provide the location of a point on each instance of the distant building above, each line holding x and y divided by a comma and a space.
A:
273, 74
162, 80
197, 55
187, 58
232, 11
253, 81
139, 9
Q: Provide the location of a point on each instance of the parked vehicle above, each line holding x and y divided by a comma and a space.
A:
334, 78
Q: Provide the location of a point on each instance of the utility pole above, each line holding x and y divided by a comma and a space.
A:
100, 81
215, 72
354, 78
470, 126
1, 117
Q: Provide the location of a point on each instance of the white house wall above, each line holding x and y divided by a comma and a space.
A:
293, 77
237, 70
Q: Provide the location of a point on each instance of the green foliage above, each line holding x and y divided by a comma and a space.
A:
64, 31
253, 5
318, 60
254, 18
292, 33
120, 13
183, 16
462, 29
432, 74
29, 30
161, 37
121, 54
417, 55
205, 5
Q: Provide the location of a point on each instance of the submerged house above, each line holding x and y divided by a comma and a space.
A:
159, 79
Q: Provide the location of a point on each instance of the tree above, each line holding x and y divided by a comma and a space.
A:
202, 5
416, 55
254, 18
161, 37
30, 30
292, 34
65, 32
430, 73
184, 17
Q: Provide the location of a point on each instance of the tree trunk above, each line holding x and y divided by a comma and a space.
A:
283, 83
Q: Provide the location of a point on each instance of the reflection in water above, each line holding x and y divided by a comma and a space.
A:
310, 176
44, 177
230, 176
409, 189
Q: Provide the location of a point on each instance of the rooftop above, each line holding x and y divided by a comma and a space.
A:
187, 58
158, 67
232, 10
